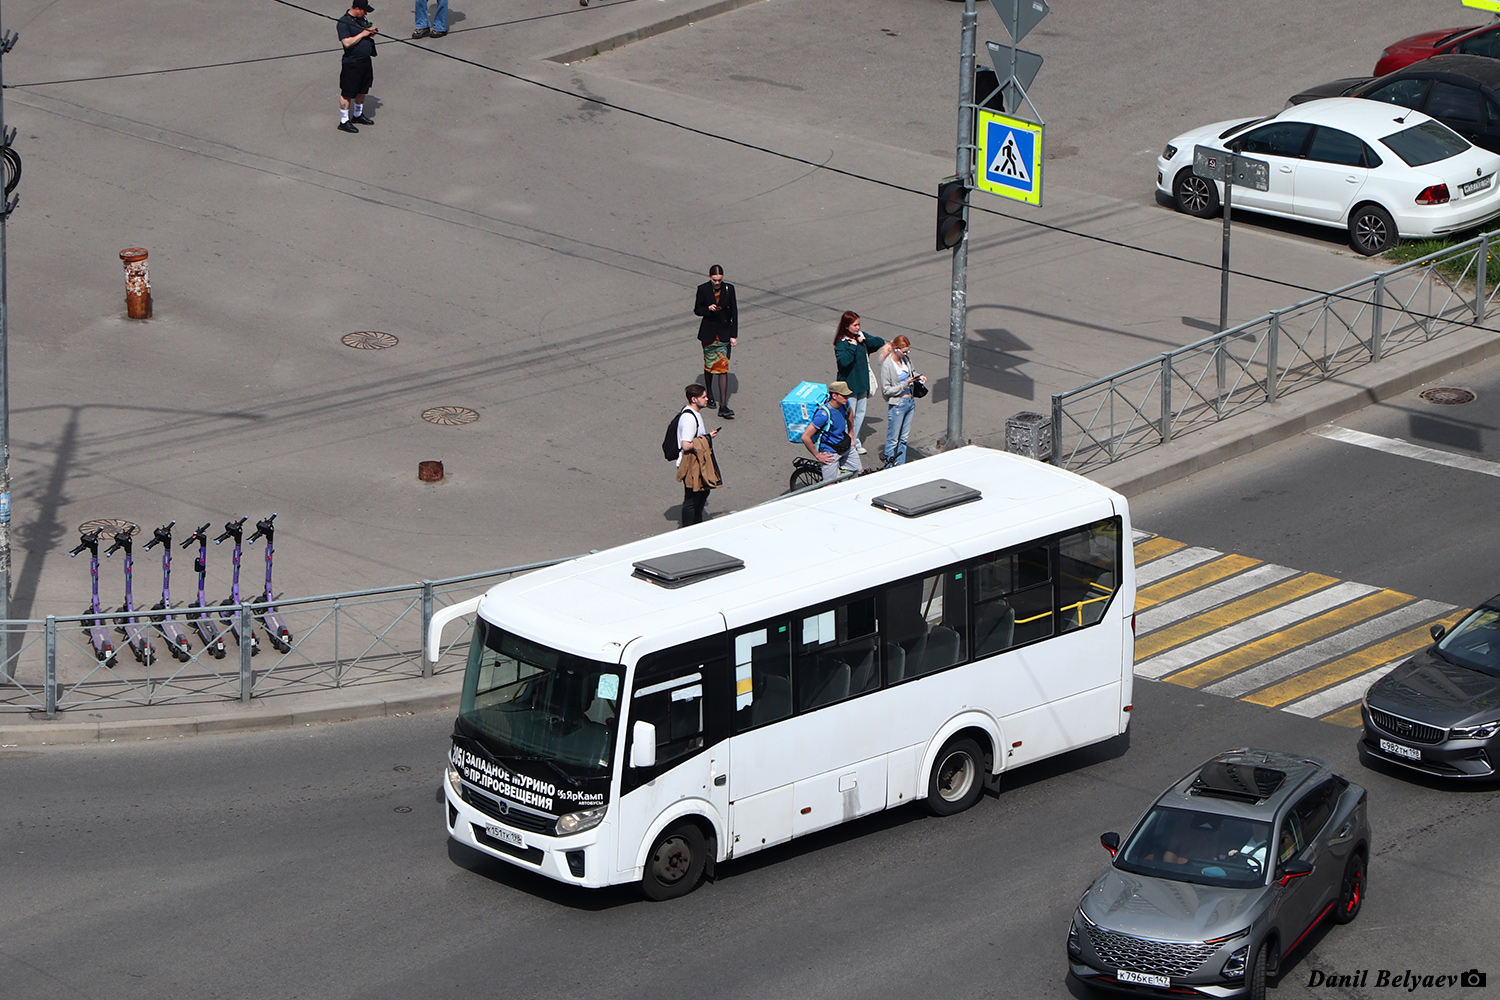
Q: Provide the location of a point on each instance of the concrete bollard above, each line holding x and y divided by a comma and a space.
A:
430, 472
137, 284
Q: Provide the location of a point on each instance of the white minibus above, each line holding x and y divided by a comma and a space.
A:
645, 713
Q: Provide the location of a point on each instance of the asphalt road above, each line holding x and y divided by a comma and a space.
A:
1359, 512
315, 864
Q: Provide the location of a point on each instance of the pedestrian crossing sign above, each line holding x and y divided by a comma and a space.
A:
1010, 157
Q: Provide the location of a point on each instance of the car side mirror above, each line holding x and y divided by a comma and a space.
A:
1110, 842
1294, 869
643, 745
1437, 632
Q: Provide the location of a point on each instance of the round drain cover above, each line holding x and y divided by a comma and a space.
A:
369, 340
450, 416
1447, 395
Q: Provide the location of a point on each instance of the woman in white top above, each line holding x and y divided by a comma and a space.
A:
896, 381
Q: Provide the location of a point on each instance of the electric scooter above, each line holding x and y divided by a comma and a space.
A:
198, 616
98, 633
270, 618
137, 634
174, 634
236, 530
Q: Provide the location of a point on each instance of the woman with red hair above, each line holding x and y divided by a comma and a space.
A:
851, 351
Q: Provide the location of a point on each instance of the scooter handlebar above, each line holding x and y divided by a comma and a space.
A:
162, 535
201, 533
232, 529
263, 527
87, 540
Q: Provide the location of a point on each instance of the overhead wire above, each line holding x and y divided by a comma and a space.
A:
691, 129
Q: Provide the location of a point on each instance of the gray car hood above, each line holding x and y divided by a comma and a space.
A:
1432, 690
1168, 910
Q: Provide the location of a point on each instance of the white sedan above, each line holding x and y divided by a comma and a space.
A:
1377, 170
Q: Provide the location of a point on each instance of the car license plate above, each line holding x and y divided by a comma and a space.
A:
1475, 186
1400, 751
1143, 978
505, 836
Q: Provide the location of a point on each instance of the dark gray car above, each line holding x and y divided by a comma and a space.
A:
1224, 875
1439, 712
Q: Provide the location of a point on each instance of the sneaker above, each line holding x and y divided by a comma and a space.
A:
347, 127
860, 448
438, 34
362, 120
726, 413
420, 33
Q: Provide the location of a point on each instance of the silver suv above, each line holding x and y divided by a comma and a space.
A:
1227, 872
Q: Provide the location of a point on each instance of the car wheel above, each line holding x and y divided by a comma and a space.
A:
1352, 896
957, 779
1195, 195
1371, 230
675, 865
1255, 979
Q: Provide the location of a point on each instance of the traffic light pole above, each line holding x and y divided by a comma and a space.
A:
958, 317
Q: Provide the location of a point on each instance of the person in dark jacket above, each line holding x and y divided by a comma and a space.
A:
851, 350
718, 332
357, 73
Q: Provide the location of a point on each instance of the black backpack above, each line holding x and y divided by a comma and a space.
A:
671, 448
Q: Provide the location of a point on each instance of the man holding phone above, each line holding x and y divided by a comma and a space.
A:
357, 36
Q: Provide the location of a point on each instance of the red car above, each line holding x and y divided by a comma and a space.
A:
1474, 41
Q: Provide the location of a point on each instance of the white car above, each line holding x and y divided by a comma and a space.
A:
1377, 170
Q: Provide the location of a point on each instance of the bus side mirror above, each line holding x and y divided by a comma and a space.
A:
643, 745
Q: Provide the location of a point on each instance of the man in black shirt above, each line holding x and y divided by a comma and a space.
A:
356, 34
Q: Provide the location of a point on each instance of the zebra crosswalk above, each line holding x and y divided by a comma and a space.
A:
1302, 642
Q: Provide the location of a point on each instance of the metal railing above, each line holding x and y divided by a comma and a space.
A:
337, 641
1320, 338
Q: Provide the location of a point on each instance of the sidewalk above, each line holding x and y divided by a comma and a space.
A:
535, 255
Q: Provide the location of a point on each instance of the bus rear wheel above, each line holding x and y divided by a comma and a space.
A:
675, 865
957, 779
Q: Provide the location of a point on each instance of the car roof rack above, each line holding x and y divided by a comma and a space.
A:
679, 569
1237, 780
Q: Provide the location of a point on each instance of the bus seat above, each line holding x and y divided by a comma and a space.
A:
836, 687
942, 649
826, 683
895, 662
773, 699
865, 674
994, 628
916, 650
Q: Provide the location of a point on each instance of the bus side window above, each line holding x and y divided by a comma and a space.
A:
763, 675
837, 653
1012, 599
924, 625
1088, 573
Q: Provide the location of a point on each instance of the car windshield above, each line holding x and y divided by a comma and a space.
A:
1425, 143
1475, 642
528, 700
1189, 846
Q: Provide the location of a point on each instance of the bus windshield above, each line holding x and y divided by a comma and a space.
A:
526, 700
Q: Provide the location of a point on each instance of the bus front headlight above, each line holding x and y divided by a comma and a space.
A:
583, 819
455, 784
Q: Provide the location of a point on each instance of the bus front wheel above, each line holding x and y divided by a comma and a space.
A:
957, 779
675, 865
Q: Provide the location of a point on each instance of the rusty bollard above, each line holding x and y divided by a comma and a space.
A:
430, 472
137, 284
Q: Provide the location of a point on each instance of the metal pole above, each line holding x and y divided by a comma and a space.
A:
247, 650
963, 167
49, 679
6, 41
1273, 346
1377, 316
1481, 272
1224, 270
426, 624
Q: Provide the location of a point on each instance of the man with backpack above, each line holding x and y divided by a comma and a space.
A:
827, 436
697, 469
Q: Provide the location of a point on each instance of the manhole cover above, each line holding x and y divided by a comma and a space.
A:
450, 416
1447, 395
108, 527
369, 340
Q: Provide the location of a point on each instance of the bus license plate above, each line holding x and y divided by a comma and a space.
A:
505, 836
1400, 751
1143, 978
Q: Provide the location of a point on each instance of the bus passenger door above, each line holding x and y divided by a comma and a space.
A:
684, 692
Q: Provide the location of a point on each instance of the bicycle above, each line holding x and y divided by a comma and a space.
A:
808, 472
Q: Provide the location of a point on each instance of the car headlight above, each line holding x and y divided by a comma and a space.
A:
1234, 965
455, 784
1482, 731
583, 819
1169, 152
1074, 948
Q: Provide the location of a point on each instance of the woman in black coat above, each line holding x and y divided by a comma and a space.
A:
718, 332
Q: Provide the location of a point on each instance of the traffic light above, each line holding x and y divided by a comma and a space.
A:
952, 200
